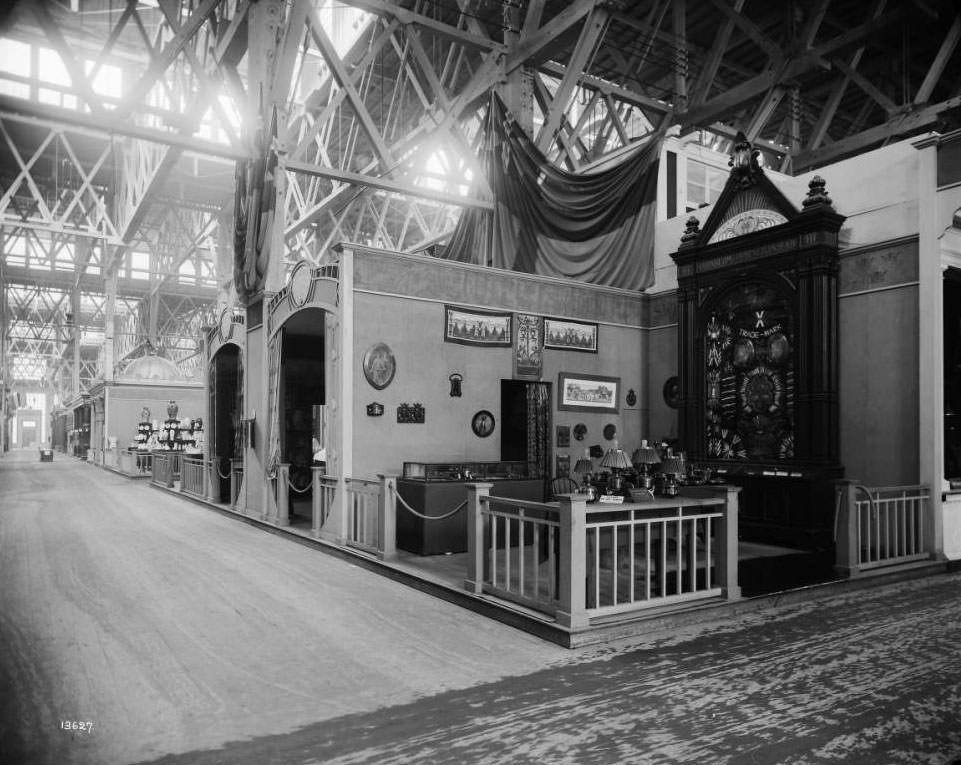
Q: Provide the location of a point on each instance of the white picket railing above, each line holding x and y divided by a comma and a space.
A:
323, 497
364, 501
579, 562
193, 471
881, 527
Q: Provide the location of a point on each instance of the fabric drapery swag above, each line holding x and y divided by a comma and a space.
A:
275, 410
594, 227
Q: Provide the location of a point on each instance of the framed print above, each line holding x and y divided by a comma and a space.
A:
471, 327
587, 393
562, 465
570, 335
379, 365
563, 436
482, 424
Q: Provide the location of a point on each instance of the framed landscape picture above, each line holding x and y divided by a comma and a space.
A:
570, 335
587, 393
470, 327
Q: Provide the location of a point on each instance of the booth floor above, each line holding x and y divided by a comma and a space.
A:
139, 627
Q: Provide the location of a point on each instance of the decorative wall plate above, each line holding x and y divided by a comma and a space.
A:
379, 365
580, 430
672, 392
482, 424
610, 430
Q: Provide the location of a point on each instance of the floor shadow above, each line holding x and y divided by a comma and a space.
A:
764, 575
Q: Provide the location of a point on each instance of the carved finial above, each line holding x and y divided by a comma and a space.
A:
816, 194
692, 231
743, 161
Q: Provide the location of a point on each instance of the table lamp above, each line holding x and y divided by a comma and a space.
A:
672, 466
616, 460
643, 457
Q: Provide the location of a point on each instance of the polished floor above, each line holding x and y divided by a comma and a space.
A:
184, 636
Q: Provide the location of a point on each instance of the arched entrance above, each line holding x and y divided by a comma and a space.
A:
302, 406
226, 407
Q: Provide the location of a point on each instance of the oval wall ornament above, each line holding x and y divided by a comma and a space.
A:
226, 323
301, 279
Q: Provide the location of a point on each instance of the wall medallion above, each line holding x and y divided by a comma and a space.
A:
482, 424
379, 365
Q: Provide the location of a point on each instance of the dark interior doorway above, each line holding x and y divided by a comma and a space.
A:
526, 425
303, 395
226, 408
952, 374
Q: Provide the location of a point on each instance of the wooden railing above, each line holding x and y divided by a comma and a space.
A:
127, 461
370, 511
324, 493
363, 514
162, 468
881, 527
236, 480
577, 562
193, 472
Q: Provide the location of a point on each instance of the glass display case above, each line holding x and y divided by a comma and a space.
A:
466, 471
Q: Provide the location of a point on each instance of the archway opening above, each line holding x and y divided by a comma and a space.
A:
226, 408
303, 400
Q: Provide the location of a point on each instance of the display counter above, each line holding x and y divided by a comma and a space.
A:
435, 489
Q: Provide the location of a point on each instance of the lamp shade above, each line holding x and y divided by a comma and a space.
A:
673, 466
645, 455
584, 465
616, 458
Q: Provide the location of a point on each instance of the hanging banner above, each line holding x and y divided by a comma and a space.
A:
528, 346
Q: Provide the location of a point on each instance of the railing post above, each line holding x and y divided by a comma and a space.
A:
475, 536
847, 555
727, 548
316, 499
573, 563
283, 494
213, 479
387, 517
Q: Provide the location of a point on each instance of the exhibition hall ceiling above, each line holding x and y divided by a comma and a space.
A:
122, 122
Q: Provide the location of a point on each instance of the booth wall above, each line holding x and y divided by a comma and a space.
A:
414, 330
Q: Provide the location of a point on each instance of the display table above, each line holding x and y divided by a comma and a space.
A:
434, 490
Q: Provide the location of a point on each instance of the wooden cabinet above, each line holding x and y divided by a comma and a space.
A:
758, 351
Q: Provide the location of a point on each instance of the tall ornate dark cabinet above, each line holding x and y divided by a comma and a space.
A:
758, 352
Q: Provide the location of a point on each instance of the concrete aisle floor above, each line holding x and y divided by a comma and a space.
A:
185, 636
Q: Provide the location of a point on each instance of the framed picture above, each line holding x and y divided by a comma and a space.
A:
587, 393
563, 436
482, 424
563, 465
570, 335
379, 365
471, 327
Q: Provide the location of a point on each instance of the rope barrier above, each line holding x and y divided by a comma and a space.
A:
409, 509
299, 491
221, 475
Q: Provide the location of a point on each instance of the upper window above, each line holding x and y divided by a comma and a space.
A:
704, 184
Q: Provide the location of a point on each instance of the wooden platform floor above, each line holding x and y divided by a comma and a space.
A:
184, 636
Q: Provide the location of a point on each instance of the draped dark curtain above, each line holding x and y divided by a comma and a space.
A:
539, 429
595, 227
